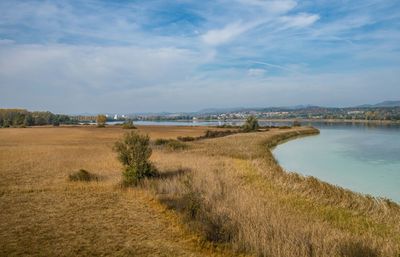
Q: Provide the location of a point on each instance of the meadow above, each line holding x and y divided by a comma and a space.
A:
224, 196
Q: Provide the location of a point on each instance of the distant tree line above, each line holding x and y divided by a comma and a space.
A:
24, 118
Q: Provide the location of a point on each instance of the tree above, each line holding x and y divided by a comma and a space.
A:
251, 124
28, 121
43, 118
134, 152
296, 123
56, 122
101, 120
128, 124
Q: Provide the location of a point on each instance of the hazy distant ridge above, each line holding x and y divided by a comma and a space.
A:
383, 104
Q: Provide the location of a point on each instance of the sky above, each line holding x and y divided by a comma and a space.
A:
152, 56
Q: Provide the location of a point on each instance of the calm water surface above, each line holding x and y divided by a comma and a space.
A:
363, 159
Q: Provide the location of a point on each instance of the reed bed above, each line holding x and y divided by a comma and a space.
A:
232, 191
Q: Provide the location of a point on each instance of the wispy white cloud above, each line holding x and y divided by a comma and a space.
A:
281, 67
172, 54
229, 32
272, 6
301, 20
256, 72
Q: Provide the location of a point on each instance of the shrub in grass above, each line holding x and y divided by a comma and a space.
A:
161, 141
192, 199
210, 134
358, 249
128, 125
251, 124
172, 144
227, 126
296, 123
134, 152
217, 133
83, 175
186, 139
101, 120
176, 145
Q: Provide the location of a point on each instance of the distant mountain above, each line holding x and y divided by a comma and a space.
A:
215, 111
383, 104
250, 109
388, 104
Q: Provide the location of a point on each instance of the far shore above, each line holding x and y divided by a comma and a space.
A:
396, 122
335, 121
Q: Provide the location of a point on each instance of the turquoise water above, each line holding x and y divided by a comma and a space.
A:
362, 159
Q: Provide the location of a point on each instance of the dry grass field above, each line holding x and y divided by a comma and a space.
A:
44, 214
228, 190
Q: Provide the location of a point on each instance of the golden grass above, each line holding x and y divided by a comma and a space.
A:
235, 193
229, 190
44, 214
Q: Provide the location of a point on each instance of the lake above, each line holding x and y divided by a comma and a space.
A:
361, 158
197, 123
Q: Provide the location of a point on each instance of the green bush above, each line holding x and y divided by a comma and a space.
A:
172, 144
161, 141
186, 139
296, 123
82, 175
217, 133
128, 125
176, 145
101, 120
227, 126
134, 152
251, 124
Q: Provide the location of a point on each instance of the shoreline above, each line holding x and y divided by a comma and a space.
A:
378, 122
290, 138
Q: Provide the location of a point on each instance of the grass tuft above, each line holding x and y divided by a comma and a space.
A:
83, 175
171, 144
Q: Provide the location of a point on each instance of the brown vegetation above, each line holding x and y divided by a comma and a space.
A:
233, 192
83, 175
42, 213
229, 190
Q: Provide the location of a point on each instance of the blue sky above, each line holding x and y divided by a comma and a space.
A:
145, 56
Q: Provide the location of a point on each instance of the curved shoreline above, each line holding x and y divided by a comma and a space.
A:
316, 174
234, 182
314, 186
